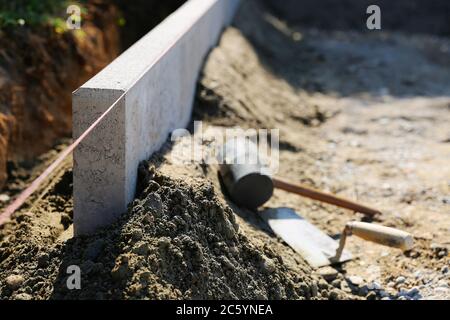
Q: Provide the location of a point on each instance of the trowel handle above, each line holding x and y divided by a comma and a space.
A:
322, 196
379, 234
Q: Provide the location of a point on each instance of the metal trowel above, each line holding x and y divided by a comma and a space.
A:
317, 248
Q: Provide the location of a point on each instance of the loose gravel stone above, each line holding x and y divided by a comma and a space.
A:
328, 273
356, 280
374, 286
4, 198
400, 280
371, 295
23, 296
14, 281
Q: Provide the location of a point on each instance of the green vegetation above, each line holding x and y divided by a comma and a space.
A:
34, 12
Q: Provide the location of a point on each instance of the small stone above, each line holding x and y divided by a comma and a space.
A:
304, 289
356, 280
443, 283
66, 220
391, 292
363, 291
400, 280
322, 284
345, 287
23, 296
4, 197
43, 260
324, 294
14, 281
148, 219
437, 247
141, 249
412, 292
371, 295
154, 202
374, 286
328, 273
137, 234
383, 294
164, 243
228, 230
333, 295
442, 253
444, 269
145, 276
336, 283
121, 269
268, 265
402, 293
23, 216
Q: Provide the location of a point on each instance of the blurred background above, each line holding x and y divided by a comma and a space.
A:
42, 62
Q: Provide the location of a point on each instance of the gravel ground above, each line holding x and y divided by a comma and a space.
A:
363, 115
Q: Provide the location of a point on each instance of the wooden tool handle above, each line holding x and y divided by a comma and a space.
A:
375, 233
382, 235
322, 196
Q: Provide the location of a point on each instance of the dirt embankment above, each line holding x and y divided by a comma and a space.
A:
39, 69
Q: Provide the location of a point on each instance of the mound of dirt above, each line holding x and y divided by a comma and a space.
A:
177, 240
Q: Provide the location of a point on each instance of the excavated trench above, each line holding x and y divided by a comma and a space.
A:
40, 67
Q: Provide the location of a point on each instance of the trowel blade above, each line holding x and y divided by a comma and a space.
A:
311, 243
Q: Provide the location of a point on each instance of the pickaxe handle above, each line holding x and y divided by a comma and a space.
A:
322, 196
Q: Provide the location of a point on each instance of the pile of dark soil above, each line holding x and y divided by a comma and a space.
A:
177, 240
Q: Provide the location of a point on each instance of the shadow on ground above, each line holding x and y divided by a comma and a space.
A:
309, 50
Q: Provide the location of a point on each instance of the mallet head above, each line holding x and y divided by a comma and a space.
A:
245, 177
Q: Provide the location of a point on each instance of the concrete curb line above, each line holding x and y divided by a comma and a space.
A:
155, 80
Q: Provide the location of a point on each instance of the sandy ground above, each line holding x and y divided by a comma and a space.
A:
361, 115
